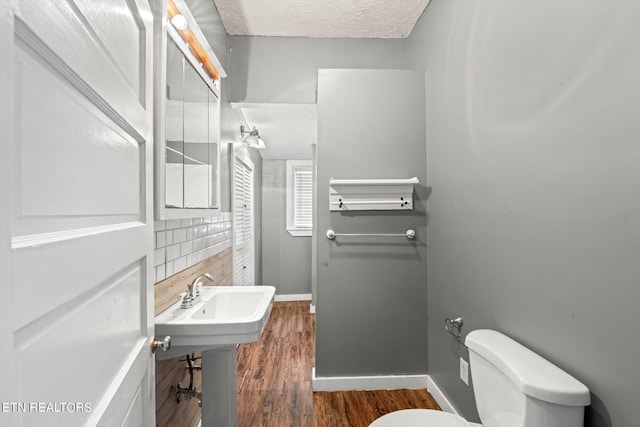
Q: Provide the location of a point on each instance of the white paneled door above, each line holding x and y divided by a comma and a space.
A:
243, 222
76, 295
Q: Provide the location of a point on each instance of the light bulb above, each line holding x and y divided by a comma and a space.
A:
179, 22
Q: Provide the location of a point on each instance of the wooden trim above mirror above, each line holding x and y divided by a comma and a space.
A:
192, 41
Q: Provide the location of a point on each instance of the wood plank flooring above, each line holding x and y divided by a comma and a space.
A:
274, 381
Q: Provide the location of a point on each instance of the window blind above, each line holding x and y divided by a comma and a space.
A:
302, 197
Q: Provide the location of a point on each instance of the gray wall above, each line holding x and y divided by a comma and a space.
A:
533, 144
371, 292
286, 260
206, 14
285, 69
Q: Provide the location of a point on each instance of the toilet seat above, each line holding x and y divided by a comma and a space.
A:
420, 418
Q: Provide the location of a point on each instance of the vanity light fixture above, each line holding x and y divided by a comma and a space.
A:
251, 137
173, 12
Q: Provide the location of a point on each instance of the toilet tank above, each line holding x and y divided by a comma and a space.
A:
515, 387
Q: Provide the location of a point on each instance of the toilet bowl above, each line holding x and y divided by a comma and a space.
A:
512, 386
421, 418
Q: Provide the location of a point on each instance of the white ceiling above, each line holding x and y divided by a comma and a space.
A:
288, 130
321, 18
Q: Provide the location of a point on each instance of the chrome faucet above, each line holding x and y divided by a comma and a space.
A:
194, 287
193, 291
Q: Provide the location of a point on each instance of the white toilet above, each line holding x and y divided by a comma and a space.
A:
513, 387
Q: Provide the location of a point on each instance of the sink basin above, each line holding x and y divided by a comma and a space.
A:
224, 315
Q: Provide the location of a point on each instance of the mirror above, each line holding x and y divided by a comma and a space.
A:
196, 140
192, 125
174, 127
214, 152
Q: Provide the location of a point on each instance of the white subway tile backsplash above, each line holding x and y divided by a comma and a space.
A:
221, 246
169, 269
179, 244
198, 244
159, 257
172, 224
173, 252
186, 248
179, 235
192, 259
180, 264
161, 239
161, 272
169, 238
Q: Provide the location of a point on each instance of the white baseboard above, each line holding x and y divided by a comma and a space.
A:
293, 297
312, 308
387, 382
440, 397
431, 387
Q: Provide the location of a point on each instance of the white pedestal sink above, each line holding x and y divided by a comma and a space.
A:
224, 317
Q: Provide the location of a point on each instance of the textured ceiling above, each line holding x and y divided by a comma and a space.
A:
321, 18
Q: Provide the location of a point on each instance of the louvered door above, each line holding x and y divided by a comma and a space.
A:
243, 222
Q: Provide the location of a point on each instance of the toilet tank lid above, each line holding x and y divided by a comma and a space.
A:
532, 374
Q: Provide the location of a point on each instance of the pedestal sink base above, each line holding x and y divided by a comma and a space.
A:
224, 317
219, 387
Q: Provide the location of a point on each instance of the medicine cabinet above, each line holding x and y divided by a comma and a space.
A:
187, 125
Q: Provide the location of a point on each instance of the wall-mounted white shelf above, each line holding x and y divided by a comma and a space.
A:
371, 194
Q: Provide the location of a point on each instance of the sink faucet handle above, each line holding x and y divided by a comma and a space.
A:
187, 300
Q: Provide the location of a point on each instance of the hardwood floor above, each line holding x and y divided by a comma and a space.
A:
274, 381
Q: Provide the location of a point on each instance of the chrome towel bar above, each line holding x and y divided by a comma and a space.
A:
409, 234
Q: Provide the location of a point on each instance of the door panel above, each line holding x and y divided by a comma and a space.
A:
63, 37
84, 328
114, 23
73, 138
77, 222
